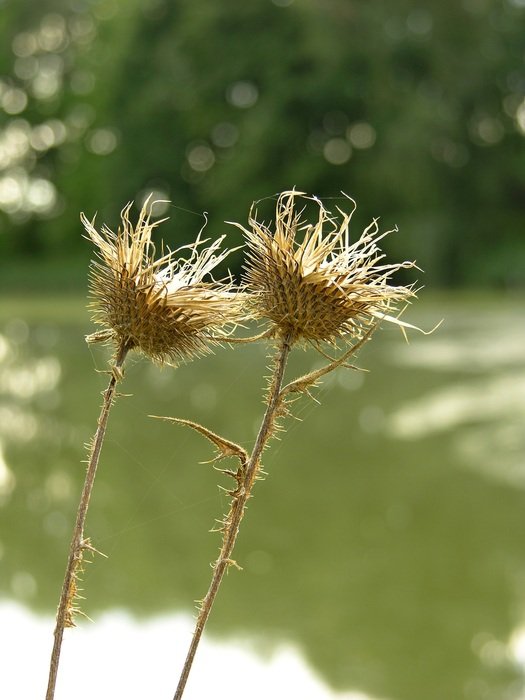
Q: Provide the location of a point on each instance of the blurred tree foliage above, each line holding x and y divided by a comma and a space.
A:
415, 109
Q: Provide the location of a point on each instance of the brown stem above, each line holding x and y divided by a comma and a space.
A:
232, 524
78, 544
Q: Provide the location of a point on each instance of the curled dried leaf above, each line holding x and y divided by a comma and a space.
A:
226, 448
304, 383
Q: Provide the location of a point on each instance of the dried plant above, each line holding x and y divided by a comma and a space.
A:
162, 307
309, 284
170, 309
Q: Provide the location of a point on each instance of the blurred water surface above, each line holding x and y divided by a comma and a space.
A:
386, 545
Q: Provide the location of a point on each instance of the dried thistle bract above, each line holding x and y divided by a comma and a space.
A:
169, 307
310, 281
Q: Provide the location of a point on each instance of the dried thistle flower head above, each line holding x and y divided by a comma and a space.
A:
169, 308
310, 281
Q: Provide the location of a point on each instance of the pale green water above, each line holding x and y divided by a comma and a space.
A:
387, 542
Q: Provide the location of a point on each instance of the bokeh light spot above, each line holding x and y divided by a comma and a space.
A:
41, 195
52, 34
42, 137
59, 486
24, 44
204, 397
48, 80
23, 585
159, 200
200, 157
337, 151
26, 67
10, 194
420, 22
102, 142
361, 135
14, 101
55, 524
224, 134
490, 130
242, 94
372, 419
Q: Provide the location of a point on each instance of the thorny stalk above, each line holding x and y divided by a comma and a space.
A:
311, 284
246, 477
79, 544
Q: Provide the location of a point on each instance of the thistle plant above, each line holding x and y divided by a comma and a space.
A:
168, 308
309, 284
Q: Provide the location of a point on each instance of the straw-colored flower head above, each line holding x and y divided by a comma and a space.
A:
310, 281
170, 308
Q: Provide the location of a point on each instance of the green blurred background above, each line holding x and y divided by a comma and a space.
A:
415, 109
387, 542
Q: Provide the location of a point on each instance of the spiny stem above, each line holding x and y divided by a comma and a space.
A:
78, 544
232, 524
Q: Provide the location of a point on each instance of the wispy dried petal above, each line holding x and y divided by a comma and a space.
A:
311, 282
169, 307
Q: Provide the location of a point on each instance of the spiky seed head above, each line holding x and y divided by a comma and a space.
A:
310, 281
169, 307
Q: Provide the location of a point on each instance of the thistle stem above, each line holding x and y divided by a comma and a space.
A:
78, 544
232, 524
